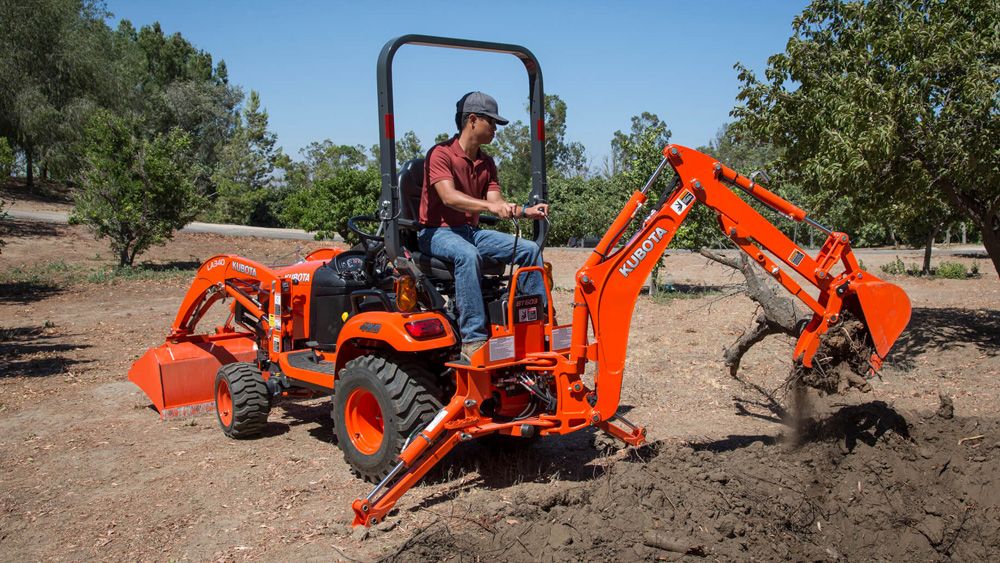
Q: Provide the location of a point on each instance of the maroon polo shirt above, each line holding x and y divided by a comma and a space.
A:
447, 161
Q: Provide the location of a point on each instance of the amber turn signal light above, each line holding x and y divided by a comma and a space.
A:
548, 274
406, 294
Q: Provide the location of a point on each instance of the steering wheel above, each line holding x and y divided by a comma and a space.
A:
368, 240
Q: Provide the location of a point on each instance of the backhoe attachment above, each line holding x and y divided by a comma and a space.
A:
883, 307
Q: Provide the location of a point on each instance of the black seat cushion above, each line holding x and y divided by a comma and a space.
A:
411, 181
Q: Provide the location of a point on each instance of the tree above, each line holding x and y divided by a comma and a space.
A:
563, 158
135, 190
641, 148
324, 159
6, 159
327, 204
243, 176
408, 148
54, 68
891, 106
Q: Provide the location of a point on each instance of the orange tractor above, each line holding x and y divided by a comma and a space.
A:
376, 327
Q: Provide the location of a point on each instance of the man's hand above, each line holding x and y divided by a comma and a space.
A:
537, 211
504, 210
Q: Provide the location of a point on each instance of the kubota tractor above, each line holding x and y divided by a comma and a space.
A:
376, 327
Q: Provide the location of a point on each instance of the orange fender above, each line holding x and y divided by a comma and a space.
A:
392, 328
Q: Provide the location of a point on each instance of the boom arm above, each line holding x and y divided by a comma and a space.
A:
609, 282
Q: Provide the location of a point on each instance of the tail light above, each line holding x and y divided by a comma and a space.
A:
426, 328
406, 294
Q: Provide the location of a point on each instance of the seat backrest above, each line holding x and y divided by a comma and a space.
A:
411, 183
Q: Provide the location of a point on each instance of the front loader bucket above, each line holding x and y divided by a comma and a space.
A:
887, 311
179, 377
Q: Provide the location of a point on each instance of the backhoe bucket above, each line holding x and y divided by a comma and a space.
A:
887, 311
179, 377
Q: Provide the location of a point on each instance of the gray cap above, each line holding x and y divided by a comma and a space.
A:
478, 102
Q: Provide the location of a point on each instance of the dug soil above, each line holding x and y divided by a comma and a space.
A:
89, 471
865, 483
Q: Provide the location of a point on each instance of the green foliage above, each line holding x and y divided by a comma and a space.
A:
887, 111
563, 159
6, 158
580, 207
327, 203
243, 175
135, 190
407, 148
898, 268
952, 270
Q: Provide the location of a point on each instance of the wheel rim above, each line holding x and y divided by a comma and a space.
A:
224, 402
363, 418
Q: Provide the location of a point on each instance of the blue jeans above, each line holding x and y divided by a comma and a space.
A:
465, 247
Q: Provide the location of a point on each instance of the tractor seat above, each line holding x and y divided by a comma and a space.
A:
411, 182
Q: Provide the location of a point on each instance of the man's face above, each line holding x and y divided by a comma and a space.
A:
484, 127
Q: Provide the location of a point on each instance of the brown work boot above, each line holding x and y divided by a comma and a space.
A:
468, 349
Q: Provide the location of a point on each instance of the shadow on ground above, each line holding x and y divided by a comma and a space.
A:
943, 329
27, 292
32, 352
22, 228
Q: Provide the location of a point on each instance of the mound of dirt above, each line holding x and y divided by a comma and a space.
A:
866, 484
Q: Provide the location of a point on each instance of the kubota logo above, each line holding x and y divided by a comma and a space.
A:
642, 251
301, 278
244, 269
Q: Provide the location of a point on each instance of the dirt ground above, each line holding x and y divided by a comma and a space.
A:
89, 471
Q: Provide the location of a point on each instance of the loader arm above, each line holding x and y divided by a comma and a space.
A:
609, 282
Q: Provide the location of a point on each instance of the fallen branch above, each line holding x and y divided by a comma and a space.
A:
659, 541
778, 313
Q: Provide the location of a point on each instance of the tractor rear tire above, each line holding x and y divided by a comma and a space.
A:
242, 402
378, 403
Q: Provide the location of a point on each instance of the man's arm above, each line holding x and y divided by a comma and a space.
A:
455, 199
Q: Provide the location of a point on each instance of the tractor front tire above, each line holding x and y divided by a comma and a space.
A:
377, 404
241, 400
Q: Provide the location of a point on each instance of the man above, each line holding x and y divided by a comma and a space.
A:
460, 182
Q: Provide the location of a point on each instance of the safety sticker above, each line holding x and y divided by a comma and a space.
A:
562, 337
501, 348
437, 420
682, 203
796, 258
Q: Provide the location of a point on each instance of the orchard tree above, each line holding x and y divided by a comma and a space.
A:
890, 106
135, 191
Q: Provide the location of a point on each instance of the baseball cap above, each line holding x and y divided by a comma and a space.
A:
483, 104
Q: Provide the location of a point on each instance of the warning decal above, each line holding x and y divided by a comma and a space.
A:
796, 257
682, 203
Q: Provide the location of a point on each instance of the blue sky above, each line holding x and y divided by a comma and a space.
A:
314, 62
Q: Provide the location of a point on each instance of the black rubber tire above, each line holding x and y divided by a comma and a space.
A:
251, 402
404, 399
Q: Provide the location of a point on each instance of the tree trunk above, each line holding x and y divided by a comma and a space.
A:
947, 236
30, 166
895, 242
926, 270
963, 233
45, 171
991, 241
